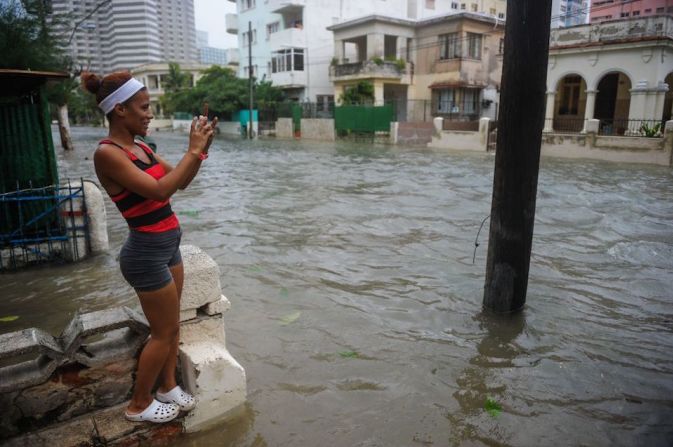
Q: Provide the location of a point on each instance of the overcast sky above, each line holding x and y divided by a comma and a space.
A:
209, 16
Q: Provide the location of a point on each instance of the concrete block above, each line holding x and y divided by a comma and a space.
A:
218, 307
592, 126
217, 381
203, 330
202, 279
186, 315
438, 123
95, 207
284, 128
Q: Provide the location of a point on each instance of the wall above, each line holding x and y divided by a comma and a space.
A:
317, 129
72, 390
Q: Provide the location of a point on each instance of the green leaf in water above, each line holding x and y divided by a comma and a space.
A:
492, 407
255, 269
349, 354
190, 213
9, 318
283, 292
291, 318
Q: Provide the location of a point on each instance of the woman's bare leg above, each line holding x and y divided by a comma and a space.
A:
162, 311
167, 377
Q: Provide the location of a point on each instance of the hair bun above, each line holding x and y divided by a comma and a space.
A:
91, 82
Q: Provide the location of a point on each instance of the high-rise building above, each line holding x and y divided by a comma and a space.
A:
118, 35
569, 13
602, 10
292, 47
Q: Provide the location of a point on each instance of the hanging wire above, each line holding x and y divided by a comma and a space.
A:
476, 240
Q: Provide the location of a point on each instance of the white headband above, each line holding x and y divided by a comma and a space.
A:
128, 89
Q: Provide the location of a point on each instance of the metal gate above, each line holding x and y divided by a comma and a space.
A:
43, 225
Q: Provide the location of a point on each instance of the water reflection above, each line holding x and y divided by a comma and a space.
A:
482, 384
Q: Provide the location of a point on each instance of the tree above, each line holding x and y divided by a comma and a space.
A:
224, 92
175, 82
361, 93
27, 43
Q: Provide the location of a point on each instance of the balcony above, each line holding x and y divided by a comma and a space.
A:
288, 38
284, 6
289, 79
231, 22
370, 69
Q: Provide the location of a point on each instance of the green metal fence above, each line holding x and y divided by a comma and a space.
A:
27, 158
365, 119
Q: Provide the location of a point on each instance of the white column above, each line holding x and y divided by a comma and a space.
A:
589, 108
659, 99
339, 51
378, 93
549, 113
638, 101
375, 45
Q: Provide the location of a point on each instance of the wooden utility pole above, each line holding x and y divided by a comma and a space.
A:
250, 79
517, 158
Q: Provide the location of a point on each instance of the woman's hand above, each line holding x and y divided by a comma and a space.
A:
200, 135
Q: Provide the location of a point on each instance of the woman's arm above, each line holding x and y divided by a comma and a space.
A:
115, 165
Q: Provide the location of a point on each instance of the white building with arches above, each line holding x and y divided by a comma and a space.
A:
619, 72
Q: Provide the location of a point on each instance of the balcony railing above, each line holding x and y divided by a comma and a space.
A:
389, 69
288, 38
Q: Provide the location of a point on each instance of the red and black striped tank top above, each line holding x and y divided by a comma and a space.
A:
143, 214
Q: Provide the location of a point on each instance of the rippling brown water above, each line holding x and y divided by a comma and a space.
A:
356, 306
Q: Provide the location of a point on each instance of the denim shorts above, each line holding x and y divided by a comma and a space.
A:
145, 258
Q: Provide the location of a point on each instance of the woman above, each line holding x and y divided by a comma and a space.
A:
141, 183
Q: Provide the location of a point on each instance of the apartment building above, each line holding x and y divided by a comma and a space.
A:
453, 62
292, 47
602, 10
569, 13
118, 34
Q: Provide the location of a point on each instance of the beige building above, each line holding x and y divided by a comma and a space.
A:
153, 76
448, 65
619, 72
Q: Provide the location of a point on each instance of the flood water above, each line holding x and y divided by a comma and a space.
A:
356, 305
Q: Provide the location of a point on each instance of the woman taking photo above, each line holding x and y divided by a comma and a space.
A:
141, 184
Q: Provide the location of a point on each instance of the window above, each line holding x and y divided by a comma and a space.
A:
454, 5
491, 11
446, 101
501, 15
470, 101
325, 103
501, 46
291, 59
636, 13
247, 4
462, 6
474, 45
670, 9
570, 95
475, 7
246, 38
660, 10
625, 14
449, 46
430, 4
648, 11
272, 28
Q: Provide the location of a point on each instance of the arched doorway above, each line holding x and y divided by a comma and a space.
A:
668, 102
570, 103
612, 103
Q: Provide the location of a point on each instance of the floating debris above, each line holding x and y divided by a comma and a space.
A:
291, 318
492, 407
349, 354
9, 318
190, 213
